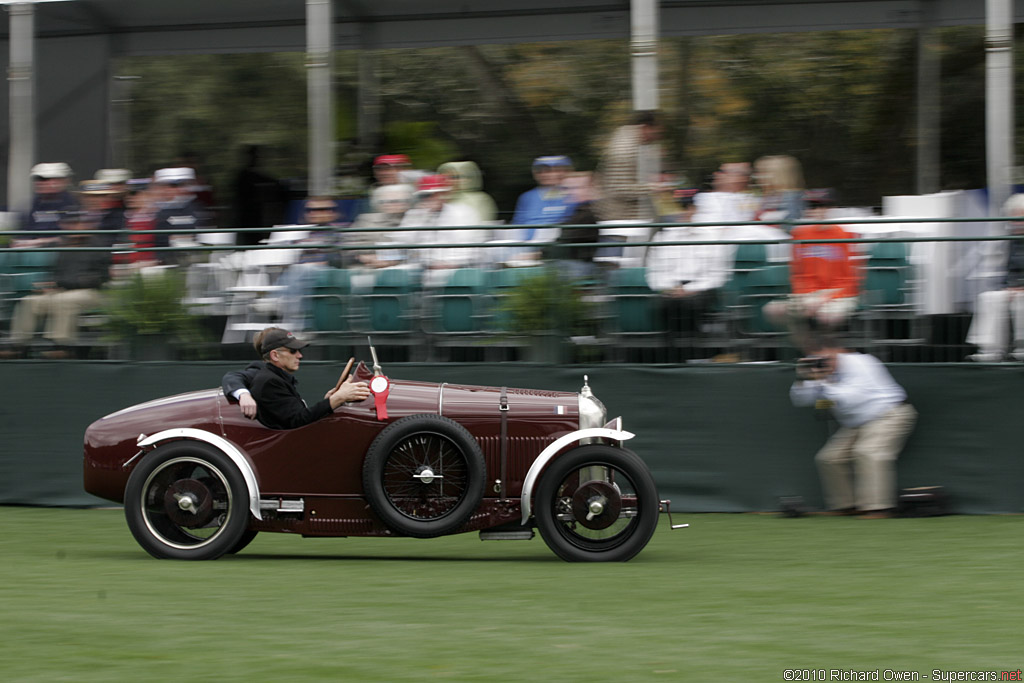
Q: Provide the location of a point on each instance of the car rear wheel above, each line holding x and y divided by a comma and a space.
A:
424, 475
187, 501
597, 504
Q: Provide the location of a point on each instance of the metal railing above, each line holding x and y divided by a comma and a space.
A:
942, 341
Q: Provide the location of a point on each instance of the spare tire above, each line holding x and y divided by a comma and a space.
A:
424, 475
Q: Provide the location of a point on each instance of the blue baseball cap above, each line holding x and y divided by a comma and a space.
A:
557, 160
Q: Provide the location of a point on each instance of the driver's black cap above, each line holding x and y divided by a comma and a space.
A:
276, 338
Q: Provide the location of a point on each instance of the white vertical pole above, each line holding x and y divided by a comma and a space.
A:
21, 80
644, 49
999, 101
320, 95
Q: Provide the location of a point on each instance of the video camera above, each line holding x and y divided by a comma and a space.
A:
806, 367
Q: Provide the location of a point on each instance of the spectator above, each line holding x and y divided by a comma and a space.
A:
77, 278
102, 209
390, 169
117, 179
825, 281
321, 214
671, 188
388, 205
782, 189
625, 193
434, 210
259, 198
140, 220
689, 277
729, 200
548, 203
988, 329
578, 261
857, 464
51, 201
178, 208
275, 399
467, 183
203, 191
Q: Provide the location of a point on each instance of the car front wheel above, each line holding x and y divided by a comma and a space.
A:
596, 503
187, 501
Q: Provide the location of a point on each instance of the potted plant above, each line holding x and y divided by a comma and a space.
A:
146, 313
546, 308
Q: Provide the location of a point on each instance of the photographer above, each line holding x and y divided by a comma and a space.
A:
857, 464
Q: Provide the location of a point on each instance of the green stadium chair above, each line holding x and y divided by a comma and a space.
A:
391, 310
754, 329
634, 318
886, 303
456, 314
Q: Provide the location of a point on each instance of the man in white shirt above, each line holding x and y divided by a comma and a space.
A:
858, 463
688, 276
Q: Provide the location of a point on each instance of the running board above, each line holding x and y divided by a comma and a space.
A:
506, 535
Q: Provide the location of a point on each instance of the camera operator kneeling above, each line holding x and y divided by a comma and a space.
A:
858, 463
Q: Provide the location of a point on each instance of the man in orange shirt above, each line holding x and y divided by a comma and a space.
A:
824, 279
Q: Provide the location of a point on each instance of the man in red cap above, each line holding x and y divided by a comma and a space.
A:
275, 399
387, 169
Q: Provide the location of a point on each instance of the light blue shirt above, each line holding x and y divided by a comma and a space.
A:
861, 390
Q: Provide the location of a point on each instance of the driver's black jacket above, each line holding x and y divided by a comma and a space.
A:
278, 404
239, 379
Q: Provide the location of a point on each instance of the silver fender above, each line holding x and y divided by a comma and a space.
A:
552, 450
224, 446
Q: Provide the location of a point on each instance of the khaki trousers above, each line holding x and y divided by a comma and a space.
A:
858, 465
61, 310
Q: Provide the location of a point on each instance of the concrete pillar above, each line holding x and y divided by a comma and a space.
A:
999, 101
320, 94
644, 49
21, 83
929, 105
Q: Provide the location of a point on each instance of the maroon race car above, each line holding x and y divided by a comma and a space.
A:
198, 479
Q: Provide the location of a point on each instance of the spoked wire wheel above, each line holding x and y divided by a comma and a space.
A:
597, 504
424, 475
186, 500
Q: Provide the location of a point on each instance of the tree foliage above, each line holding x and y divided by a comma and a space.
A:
843, 103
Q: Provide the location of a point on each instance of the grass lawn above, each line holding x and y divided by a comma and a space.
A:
733, 598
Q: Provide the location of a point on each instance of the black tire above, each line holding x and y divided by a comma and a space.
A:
188, 473
623, 492
424, 475
245, 540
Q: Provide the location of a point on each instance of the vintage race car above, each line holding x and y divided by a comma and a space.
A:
199, 480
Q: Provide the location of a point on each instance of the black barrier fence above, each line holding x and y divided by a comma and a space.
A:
916, 301
717, 438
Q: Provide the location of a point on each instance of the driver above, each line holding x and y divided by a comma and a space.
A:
268, 390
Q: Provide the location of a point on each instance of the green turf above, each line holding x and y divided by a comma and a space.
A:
733, 598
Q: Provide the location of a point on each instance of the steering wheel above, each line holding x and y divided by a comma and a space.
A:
344, 373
